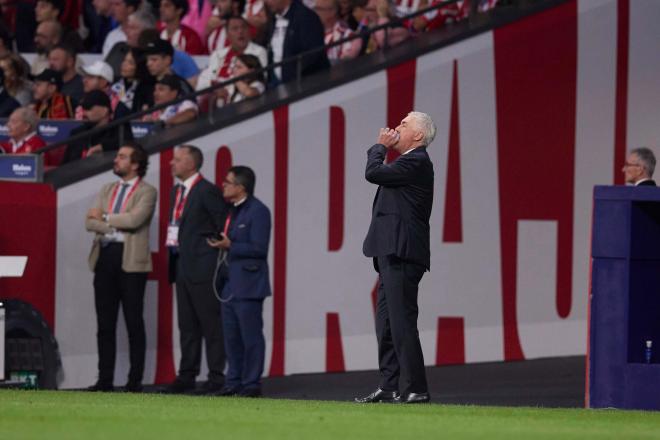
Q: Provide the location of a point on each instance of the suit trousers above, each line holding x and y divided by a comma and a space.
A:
400, 358
199, 317
112, 287
243, 324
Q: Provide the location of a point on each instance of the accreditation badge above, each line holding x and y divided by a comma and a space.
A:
172, 239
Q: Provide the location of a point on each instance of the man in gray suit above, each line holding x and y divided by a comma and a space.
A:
121, 260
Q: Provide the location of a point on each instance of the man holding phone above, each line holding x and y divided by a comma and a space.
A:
197, 211
244, 283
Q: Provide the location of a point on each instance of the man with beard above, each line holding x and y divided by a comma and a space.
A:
48, 34
62, 59
97, 112
121, 261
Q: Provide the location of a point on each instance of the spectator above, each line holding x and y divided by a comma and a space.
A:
121, 9
159, 62
335, 30
135, 24
6, 41
438, 17
62, 59
140, 31
50, 103
345, 11
48, 35
53, 10
97, 113
199, 13
216, 26
16, 82
179, 35
372, 13
295, 29
19, 11
22, 131
251, 86
99, 76
167, 89
221, 61
135, 86
7, 102
99, 23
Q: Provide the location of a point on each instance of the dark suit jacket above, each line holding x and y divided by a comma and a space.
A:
249, 232
305, 32
402, 207
203, 214
647, 183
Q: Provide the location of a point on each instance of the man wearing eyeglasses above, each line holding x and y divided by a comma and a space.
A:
639, 167
243, 282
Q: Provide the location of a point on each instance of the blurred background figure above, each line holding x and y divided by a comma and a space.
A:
135, 86
335, 30
251, 86
179, 35
15, 70
167, 89
62, 59
49, 101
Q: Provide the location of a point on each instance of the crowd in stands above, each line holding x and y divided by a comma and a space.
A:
146, 50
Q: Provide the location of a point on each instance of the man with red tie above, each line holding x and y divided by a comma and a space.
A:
121, 260
198, 211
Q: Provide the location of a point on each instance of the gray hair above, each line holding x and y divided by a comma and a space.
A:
425, 124
29, 116
647, 158
144, 17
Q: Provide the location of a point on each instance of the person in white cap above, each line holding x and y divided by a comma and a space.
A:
100, 76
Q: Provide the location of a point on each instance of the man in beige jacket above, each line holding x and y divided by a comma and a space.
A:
121, 260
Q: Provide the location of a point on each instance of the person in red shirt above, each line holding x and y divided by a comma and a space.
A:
23, 137
179, 35
50, 103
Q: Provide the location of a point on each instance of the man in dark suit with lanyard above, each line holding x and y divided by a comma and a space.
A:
244, 282
398, 242
198, 211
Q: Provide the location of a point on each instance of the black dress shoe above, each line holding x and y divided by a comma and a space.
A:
250, 392
180, 386
211, 388
101, 386
227, 391
414, 398
379, 396
133, 387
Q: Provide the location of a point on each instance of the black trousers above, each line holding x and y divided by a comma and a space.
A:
400, 357
112, 287
199, 317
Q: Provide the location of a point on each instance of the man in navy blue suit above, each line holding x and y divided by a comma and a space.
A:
398, 242
243, 282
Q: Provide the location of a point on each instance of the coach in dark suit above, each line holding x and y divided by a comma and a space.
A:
639, 167
244, 282
398, 242
294, 29
198, 211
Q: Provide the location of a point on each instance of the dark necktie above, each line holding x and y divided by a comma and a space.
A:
120, 199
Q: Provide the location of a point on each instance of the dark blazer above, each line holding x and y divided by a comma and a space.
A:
647, 183
402, 206
249, 232
304, 32
203, 215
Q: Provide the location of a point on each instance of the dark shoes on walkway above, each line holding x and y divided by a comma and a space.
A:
180, 387
380, 396
101, 387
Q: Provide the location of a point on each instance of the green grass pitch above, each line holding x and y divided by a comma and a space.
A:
78, 415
